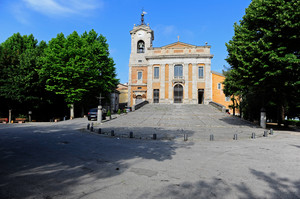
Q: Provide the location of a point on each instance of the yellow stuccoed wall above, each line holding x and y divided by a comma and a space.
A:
156, 85
166, 81
218, 95
134, 74
123, 97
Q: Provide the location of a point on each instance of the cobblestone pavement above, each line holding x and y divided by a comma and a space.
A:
172, 121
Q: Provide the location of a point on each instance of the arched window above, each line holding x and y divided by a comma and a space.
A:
141, 46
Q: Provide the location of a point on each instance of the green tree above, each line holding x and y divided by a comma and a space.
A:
264, 58
19, 81
78, 67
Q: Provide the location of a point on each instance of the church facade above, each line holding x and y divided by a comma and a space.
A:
175, 73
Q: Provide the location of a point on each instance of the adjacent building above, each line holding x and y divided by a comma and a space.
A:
123, 96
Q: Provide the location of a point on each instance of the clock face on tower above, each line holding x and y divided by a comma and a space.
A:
140, 33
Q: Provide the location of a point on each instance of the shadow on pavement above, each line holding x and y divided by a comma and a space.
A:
49, 161
275, 188
236, 121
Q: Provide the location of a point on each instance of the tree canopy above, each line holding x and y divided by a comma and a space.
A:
75, 67
19, 80
264, 57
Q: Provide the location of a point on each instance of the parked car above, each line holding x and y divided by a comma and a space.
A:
93, 113
128, 109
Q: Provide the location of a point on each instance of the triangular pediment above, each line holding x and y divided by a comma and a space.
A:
179, 45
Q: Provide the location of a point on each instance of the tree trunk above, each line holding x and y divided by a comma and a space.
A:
72, 111
82, 111
280, 115
9, 116
233, 106
233, 109
240, 108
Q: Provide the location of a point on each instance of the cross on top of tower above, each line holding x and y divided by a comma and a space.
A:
142, 17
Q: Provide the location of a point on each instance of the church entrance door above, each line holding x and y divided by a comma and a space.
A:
200, 96
178, 93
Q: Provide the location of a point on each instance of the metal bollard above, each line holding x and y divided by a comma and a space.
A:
88, 126
185, 137
92, 129
271, 132
131, 135
211, 137
265, 133
235, 137
99, 131
112, 133
253, 136
154, 136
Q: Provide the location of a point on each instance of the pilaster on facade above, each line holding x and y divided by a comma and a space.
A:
171, 76
208, 86
149, 85
129, 87
186, 85
162, 81
194, 82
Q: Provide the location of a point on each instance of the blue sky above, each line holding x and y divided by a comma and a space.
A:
195, 21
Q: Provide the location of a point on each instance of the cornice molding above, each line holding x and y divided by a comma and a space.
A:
180, 56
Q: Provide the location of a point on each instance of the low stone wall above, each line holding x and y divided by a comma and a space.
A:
220, 107
136, 107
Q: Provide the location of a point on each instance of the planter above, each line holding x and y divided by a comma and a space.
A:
20, 120
4, 120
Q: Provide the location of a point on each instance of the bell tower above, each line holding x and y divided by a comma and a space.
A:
141, 40
141, 37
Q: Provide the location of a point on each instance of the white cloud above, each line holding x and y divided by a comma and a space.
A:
168, 30
112, 51
19, 14
62, 7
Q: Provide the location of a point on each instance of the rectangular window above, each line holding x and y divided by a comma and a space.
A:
227, 98
156, 96
219, 85
156, 72
178, 72
200, 72
140, 75
139, 87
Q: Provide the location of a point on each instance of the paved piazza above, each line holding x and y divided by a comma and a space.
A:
172, 121
64, 160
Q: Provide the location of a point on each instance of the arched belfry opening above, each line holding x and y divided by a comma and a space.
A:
141, 46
